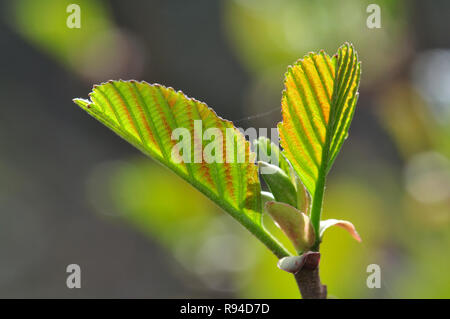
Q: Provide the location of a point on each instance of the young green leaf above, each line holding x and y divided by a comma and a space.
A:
177, 131
268, 152
279, 184
317, 108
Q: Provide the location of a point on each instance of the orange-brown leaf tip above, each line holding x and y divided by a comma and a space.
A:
348, 226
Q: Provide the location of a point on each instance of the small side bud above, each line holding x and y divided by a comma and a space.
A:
291, 264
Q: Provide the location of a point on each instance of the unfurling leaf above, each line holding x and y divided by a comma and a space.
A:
177, 131
317, 107
279, 184
296, 225
325, 224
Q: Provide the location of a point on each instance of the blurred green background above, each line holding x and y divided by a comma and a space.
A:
73, 192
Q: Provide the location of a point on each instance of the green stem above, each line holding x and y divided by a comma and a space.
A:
316, 209
269, 241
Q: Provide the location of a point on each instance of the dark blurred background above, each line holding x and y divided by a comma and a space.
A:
73, 192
